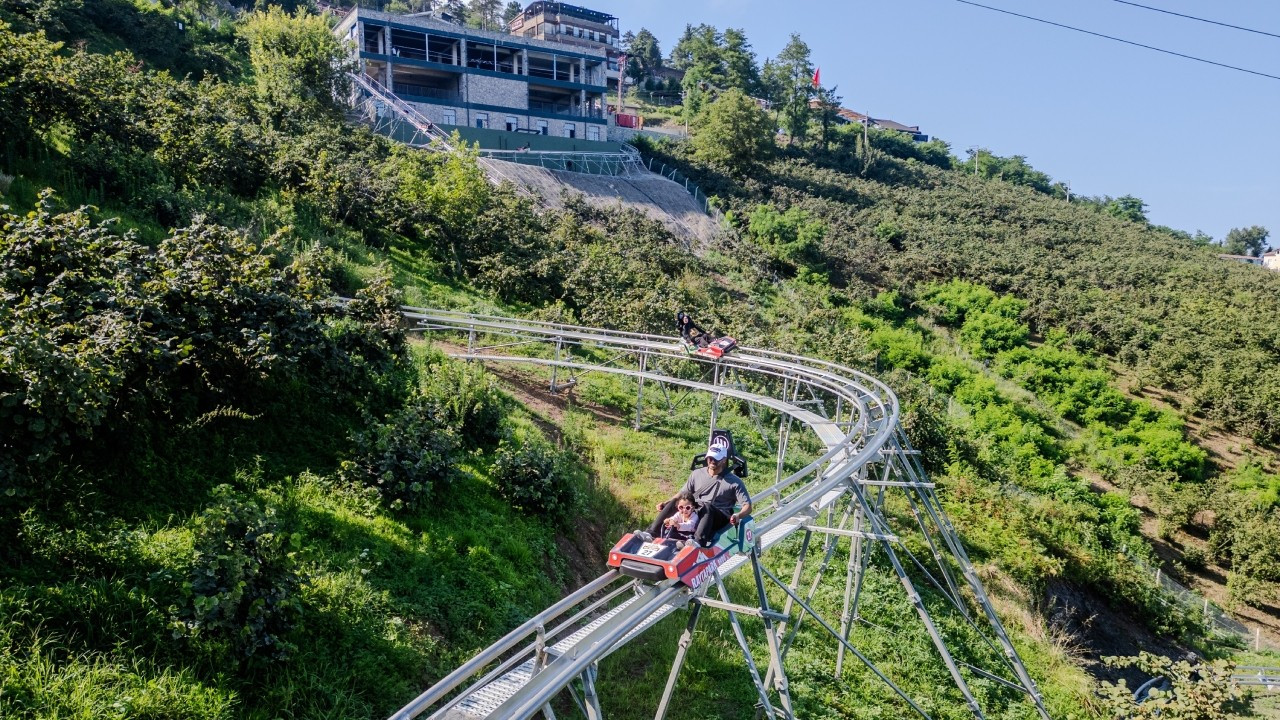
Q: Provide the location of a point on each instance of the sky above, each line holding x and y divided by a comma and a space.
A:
1198, 143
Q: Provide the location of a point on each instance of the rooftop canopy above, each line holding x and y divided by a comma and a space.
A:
567, 9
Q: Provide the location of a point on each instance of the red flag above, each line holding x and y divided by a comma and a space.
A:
816, 73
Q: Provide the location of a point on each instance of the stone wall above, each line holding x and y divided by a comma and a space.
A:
485, 90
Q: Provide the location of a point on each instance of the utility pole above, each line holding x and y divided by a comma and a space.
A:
684, 110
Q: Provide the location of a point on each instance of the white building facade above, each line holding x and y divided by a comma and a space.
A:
455, 75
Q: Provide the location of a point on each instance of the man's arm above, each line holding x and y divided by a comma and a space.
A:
744, 501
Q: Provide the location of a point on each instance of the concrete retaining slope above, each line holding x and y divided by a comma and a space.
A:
659, 198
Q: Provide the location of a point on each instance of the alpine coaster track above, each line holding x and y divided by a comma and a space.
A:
839, 497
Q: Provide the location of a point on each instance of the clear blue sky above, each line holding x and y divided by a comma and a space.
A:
1198, 143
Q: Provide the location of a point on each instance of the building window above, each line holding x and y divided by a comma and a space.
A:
512, 123
570, 130
593, 132
542, 127
450, 117
482, 120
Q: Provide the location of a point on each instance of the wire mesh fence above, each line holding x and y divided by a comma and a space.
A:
1217, 620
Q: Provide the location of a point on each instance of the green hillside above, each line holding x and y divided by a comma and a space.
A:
223, 494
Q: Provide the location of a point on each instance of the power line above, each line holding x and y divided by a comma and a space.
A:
1193, 17
1121, 40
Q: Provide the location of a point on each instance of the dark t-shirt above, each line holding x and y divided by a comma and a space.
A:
720, 492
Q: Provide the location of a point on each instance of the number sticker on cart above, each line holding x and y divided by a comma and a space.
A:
649, 549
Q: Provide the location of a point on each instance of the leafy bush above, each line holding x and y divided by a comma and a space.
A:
97, 326
472, 403
1201, 692
950, 302
406, 457
1196, 557
733, 132
532, 477
986, 334
791, 237
244, 581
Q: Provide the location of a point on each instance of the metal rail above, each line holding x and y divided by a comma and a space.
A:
853, 416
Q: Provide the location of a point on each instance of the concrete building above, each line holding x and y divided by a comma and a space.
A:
461, 76
1246, 259
1271, 260
572, 25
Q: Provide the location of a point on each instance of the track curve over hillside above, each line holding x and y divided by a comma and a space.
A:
854, 419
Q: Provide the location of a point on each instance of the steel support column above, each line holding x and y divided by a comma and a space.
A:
682, 649
644, 358
761, 689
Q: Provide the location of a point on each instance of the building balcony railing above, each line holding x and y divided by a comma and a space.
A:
403, 88
417, 53
565, 109
484, 64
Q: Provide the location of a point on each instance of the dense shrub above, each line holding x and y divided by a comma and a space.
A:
472, 404
244, 582
950, 302
985, 333
97, 327
531, 476
791, 238
407, 456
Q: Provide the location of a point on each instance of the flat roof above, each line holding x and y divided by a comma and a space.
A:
439, 27
566, 9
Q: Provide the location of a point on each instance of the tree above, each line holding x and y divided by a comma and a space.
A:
1246, 241
682, 54
1127, 207
484, 14
643, 49
740, 69
828, 106
734, 132
700, 52
299, 67
511, 12
789, 83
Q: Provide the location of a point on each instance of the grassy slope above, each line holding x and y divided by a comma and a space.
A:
393, 600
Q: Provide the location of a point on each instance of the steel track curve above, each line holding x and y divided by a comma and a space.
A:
852, 415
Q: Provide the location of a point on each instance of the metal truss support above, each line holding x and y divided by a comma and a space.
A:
761, 689
644, 359
845, 643
590, 698
751, 410
780, 683
787, 606
853, 575
952, 540
828, 552
877, 525
682, 649
556, 366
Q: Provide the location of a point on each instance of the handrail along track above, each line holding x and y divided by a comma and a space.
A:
853, 415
